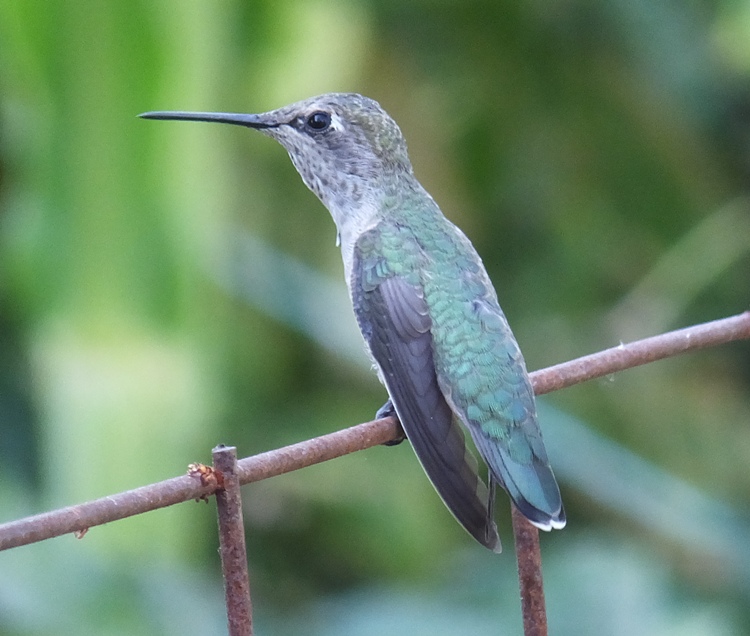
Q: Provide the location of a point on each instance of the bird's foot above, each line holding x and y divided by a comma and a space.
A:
387, 410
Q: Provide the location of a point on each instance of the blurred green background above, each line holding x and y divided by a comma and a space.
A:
168, 286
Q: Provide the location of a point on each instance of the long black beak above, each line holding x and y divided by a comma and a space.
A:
238, 119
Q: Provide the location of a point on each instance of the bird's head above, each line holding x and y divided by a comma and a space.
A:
342, 144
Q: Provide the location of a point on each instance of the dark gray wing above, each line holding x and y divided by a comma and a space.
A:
395, 322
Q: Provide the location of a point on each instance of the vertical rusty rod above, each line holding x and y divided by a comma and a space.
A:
232, 544
529, 557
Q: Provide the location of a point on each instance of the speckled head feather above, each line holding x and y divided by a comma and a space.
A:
340, 142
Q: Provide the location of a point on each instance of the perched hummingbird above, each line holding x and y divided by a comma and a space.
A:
426, 308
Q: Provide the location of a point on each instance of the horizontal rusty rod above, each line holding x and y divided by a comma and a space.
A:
80, 517
627, 356
317, 450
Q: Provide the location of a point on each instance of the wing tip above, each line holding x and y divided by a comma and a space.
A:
491, 538
484, 533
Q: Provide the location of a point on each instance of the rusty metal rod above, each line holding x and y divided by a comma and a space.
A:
232, 543
318, 449
633, 354
81, 517
529, 558
178, 489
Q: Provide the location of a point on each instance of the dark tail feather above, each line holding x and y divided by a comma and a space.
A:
534, 491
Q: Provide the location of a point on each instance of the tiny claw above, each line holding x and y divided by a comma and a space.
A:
208, 475
79, 534
388, 410
396, 440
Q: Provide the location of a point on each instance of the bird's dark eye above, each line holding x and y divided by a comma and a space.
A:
318, 121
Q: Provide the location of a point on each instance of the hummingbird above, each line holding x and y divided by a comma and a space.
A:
426, 308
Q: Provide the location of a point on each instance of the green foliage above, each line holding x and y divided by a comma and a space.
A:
595, 153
